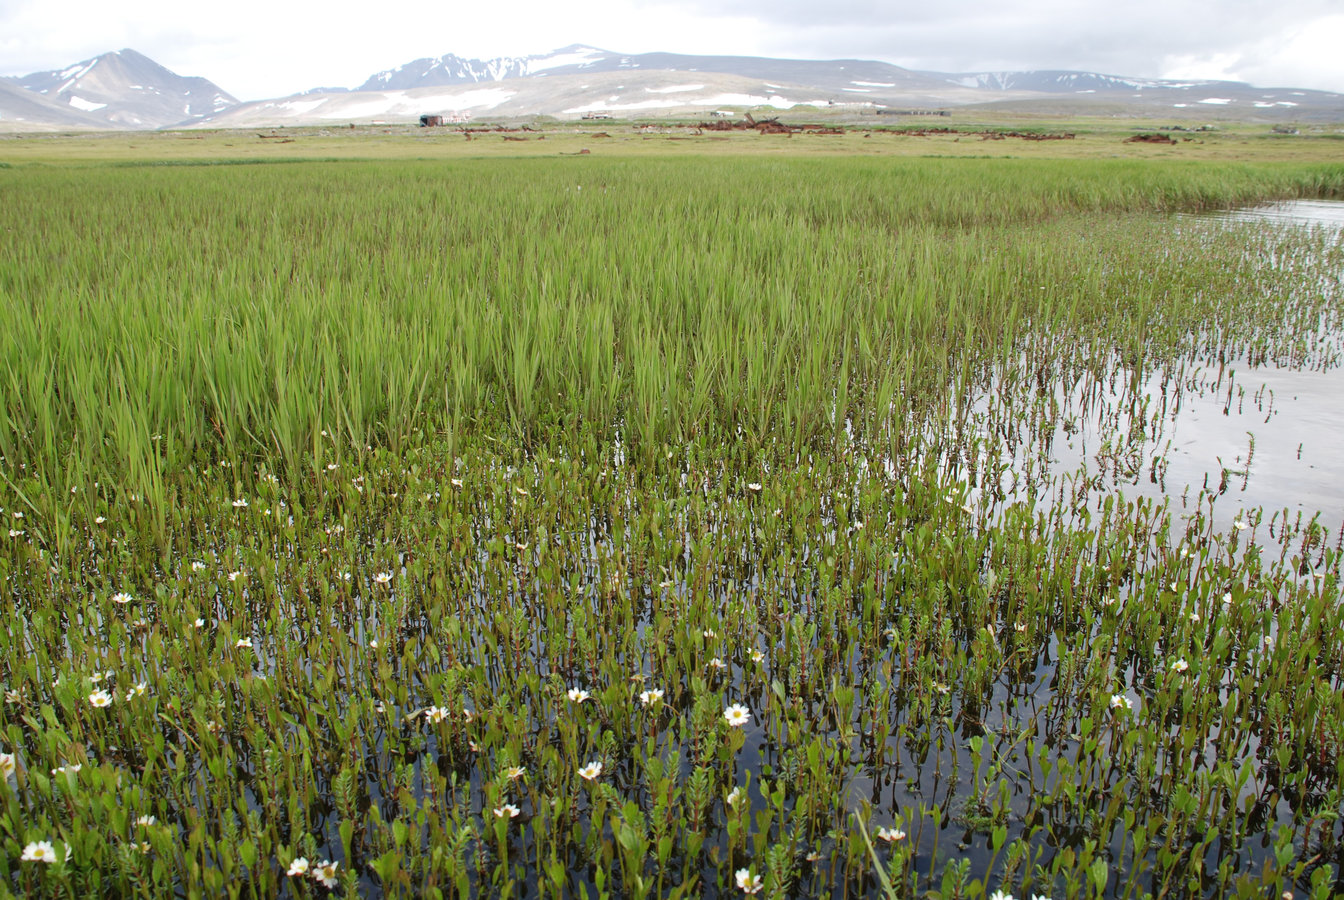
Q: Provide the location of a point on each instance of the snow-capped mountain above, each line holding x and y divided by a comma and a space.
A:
451, 69
834, 75
1052, 81
1148, 93
126, 89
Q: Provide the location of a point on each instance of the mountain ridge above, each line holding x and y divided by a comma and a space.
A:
125, 89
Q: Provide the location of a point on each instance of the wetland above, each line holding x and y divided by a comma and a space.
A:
638, 527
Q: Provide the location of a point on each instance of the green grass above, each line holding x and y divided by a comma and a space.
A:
728, 428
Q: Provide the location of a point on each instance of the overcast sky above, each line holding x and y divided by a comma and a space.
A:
256, 49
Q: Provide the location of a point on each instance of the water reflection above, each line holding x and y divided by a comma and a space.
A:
1324, 213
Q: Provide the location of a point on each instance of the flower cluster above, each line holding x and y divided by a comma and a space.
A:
324, 873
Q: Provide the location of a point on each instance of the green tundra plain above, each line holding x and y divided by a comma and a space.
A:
388, 513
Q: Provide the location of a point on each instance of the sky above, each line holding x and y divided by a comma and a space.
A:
258, 49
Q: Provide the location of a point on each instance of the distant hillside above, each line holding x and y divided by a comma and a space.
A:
126, 89
834, 75
24, 110
1150, 93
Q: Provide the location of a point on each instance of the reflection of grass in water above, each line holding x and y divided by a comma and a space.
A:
515, 453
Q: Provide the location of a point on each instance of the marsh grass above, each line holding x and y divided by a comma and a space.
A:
387, 459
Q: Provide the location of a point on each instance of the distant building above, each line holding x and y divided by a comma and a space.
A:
429, 120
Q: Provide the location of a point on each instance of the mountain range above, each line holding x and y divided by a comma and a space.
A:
127, 90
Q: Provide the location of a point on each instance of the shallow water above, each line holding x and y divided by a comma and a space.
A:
1261, 437
1245, 435
1324, 213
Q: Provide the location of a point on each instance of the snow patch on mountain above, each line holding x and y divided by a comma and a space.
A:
365, 105
570, 56
613, 104
1048, 80
675, 88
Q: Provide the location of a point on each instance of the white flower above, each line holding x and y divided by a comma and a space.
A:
70, 769
240, 503
16, 532
709, 634
100, 699
754, 486
383, 577
509, 810
39, 851
436, 714
577, 696
146, 821
1120, 701
737, 715
757, 656
748, 882
197, 566
590, 771
7, 764
373, 644
457, 482
244, 643
200, 623
648, 698
98, 520
734, 797
1179, 665
717, 664
325, 872
234, 576
298, 867
890, 835
1000, 895
515, 772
